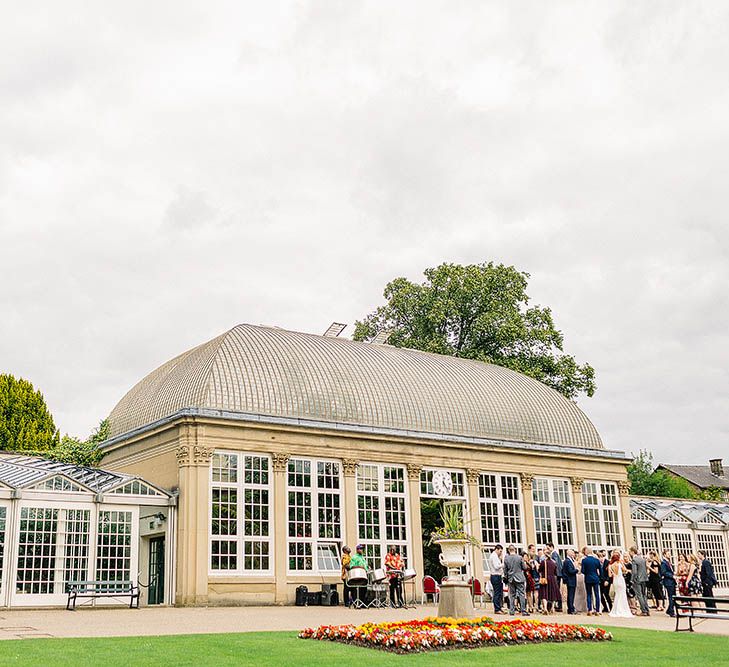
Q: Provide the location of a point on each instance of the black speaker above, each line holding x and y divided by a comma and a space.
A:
301, 596
330, 599
313, 599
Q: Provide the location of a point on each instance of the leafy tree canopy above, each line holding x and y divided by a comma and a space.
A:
646, 481
26, 422
82, 452
478, 311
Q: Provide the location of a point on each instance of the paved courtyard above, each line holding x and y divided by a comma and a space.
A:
35, 623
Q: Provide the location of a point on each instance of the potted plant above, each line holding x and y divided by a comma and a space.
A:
452, 538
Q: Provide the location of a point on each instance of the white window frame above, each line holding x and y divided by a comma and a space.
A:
500, 501
5, 538
551, 505
717, 556
674, 540
59, 595
602, 508
382, 543
314, 540
240, 539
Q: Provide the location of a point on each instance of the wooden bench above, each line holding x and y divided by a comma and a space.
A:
691, 608
102, 589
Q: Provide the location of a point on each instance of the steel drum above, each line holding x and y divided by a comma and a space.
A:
377, 575
409, 574
357, 576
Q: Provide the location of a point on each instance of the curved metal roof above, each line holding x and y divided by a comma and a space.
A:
278, 373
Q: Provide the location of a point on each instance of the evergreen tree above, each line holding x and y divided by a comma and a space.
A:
26, 422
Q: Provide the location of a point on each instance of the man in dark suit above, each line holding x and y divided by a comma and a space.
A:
708, 580
605, 581
554, 555
591, 568
669, 581
569, 572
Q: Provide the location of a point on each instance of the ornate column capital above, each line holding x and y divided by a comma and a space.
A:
576, 484
193, 455
624, 487
472, 475
349, 467
526, 481
280, 462
414, 471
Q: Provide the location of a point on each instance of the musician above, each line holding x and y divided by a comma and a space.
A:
358, 560
346, 559
394, 564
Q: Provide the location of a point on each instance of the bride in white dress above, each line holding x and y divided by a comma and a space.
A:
621, 608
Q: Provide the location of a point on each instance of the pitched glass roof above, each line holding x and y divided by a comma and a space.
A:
18, 471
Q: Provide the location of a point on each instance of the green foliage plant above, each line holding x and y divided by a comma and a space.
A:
26, 422
478, 311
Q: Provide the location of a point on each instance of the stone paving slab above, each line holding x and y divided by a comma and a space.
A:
147, 621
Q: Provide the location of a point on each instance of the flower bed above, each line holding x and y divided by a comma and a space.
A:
431, 634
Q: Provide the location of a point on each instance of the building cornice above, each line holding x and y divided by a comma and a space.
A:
188, 415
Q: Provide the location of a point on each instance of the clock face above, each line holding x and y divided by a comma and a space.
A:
442, 483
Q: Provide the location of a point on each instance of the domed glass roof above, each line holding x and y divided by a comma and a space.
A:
273, 372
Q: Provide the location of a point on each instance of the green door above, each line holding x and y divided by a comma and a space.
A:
156, 570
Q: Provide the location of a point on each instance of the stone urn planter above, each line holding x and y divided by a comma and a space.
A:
455, 592
452, 554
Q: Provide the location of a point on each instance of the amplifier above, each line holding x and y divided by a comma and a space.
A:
313, 599
330, 599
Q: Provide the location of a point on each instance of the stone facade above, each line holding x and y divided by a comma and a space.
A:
177, 455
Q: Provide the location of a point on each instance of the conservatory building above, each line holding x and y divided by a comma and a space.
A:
684, 527
63, 524
286, 446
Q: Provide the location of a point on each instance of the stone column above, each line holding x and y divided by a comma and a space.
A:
625, 518
473, 522
415, 553
350, 535
530, 533
580, 534
194, 507
281, 526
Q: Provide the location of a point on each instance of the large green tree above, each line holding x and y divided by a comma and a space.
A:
478, 311
646, 481
26, 422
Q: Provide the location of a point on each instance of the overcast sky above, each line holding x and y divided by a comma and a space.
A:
168, 170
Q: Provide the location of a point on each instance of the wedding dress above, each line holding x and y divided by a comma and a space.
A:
621, 608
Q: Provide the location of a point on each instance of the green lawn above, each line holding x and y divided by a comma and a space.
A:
630, 647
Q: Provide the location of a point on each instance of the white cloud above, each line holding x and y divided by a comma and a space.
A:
169, 171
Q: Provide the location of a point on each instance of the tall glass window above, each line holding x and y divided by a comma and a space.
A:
500, 506
240, 525
553, 512
602, 521
381, 515
37, 550
314, 500
114, 546
3, 521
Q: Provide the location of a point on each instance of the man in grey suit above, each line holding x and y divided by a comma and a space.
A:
639, 579
514, 576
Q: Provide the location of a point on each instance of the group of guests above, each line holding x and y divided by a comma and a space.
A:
535, 580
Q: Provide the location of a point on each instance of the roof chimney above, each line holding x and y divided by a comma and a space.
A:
716, 467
